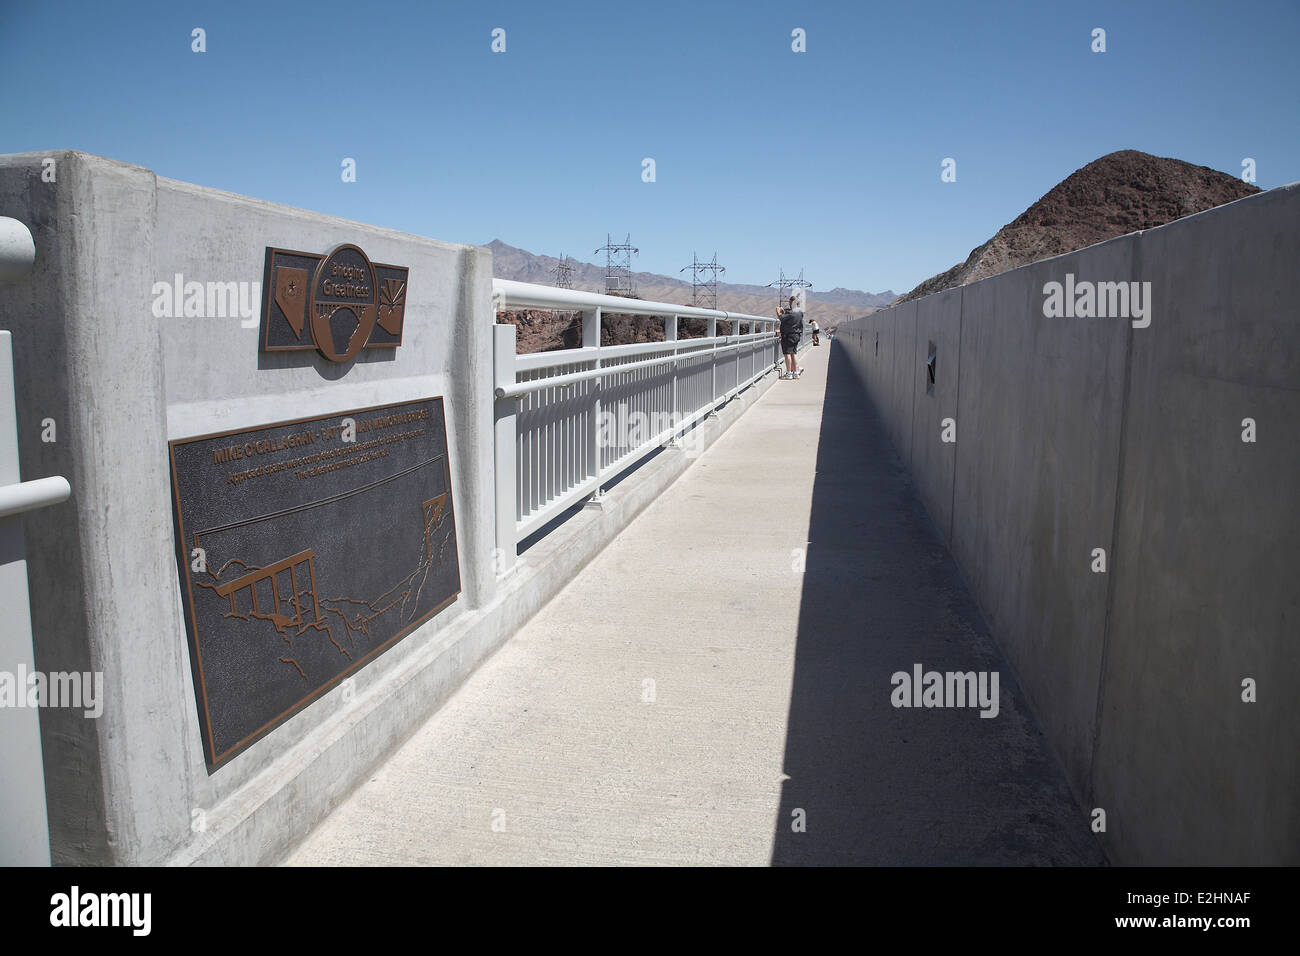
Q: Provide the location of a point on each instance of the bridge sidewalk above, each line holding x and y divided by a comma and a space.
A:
693, 693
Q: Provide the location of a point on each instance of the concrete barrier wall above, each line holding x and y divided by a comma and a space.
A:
1206, 580
132, 786
938, 321
901, 392
1076, 434
1037, 456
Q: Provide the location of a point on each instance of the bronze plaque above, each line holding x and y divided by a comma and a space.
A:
305, 549
338, 304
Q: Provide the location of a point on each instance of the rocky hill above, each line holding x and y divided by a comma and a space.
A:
1112, 196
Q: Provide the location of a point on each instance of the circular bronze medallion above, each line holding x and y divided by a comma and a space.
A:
343, 294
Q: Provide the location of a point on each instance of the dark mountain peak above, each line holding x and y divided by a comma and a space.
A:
1121, 192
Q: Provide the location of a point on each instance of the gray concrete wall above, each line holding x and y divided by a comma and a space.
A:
933, 461
132, 786
1084, 433
902, 372
1038, 428
1206, 558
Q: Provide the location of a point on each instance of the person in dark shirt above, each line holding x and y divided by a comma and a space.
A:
791, 331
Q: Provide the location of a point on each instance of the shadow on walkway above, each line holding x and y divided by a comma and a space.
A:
883, 785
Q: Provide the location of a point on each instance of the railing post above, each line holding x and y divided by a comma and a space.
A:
591, 340
24, 826
505, 437
713, 367
670, 335
738, 328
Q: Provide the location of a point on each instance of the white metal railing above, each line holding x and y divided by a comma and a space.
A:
569, 421
30, 495
24, 824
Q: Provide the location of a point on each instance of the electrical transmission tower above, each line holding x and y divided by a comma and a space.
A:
564, 272
618, 266
704, 281
785, 283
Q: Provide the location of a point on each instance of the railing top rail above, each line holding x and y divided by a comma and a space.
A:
684, 348
30, 495
513, 390
508, 292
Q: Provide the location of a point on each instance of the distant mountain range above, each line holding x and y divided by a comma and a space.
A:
828, 308
1112, 196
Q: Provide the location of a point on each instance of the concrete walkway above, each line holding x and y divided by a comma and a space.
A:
715, 687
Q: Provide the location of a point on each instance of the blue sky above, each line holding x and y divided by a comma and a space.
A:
827, 160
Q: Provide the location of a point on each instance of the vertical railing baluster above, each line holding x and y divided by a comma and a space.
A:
671, 324
505, 435
713, 359
591, 340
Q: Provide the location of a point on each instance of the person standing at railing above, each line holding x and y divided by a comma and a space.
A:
791, 332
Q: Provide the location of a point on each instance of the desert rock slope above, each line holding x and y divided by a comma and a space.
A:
1112, 196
